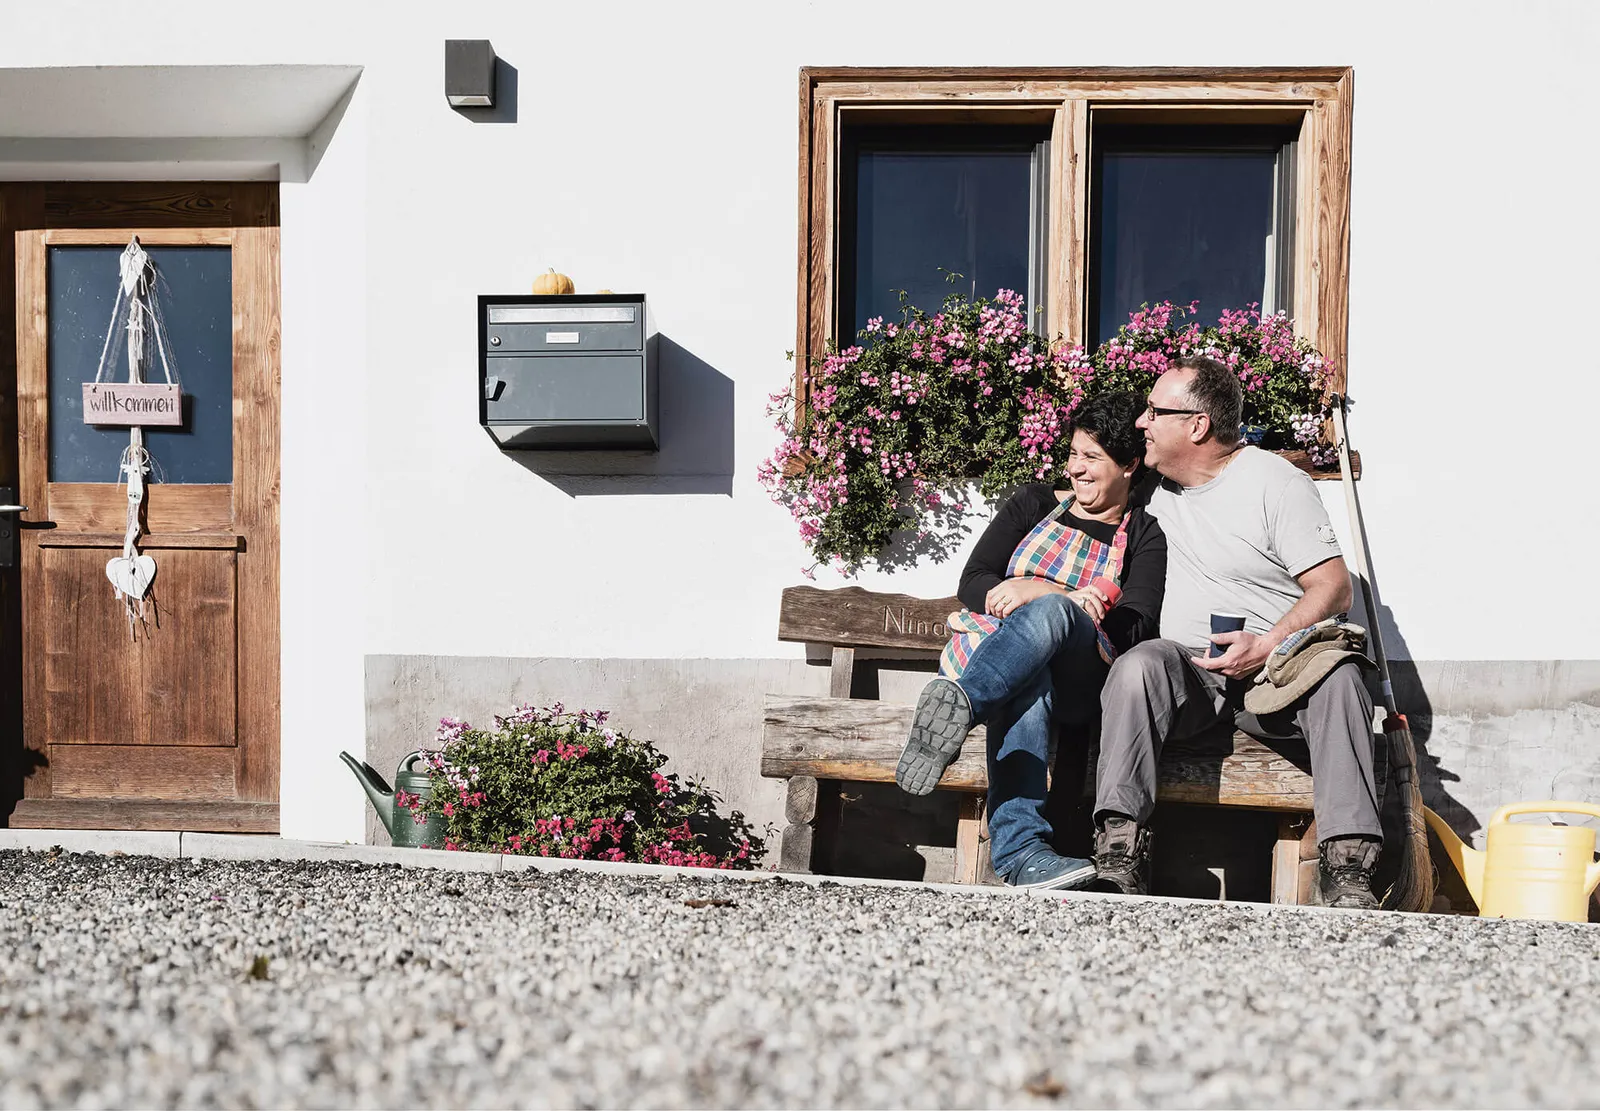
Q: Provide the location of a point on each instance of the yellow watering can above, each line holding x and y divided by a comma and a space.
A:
1528, 871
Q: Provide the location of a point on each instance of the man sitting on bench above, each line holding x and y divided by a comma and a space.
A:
1247, 535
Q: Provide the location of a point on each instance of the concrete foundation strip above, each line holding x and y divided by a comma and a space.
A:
175, 845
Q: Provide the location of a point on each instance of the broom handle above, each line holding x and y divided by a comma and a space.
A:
1362, 555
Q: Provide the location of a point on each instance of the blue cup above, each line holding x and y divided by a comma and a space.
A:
1224, 623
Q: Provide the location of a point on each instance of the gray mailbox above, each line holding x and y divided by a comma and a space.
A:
567, 371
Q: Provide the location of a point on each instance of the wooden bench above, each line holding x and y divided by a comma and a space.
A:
817, 743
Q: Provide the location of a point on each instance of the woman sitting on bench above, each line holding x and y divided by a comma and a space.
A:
1059, 583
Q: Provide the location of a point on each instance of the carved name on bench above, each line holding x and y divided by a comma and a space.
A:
853, 617
899, 621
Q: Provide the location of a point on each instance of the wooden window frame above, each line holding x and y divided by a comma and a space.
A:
1319, 99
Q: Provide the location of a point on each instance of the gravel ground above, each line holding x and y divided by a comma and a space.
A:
132, 981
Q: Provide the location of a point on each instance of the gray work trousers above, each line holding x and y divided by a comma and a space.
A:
1155, 694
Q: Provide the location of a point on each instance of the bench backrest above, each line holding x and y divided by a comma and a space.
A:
851, 617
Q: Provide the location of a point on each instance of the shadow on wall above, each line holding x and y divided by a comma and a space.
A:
951, 524
505, 98
1411, 699
696, 456
322, 135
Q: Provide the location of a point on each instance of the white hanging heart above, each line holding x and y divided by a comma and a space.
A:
132, 577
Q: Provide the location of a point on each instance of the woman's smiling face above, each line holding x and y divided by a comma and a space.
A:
1099, 482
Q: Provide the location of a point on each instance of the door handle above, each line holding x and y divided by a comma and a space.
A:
8, 525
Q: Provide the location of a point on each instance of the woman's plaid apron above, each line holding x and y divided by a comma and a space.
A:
1056, 551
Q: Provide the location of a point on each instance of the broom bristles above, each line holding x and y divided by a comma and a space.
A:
1414, 881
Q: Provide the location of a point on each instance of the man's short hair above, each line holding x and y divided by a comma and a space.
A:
1215, 391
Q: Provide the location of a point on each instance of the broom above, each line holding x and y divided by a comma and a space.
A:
1413, 883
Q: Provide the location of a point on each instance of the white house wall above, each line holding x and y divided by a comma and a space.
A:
654, 150
326, 509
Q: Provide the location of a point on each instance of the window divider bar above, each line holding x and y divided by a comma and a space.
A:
1069, 315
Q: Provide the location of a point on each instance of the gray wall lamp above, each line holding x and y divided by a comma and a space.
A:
469, 73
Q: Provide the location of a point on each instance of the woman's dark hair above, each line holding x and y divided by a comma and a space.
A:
1109, 419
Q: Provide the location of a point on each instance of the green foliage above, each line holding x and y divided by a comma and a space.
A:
545, 782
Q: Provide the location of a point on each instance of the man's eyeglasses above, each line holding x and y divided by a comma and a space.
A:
1153, 411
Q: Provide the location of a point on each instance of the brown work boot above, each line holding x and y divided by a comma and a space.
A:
1344, 873
1122, 856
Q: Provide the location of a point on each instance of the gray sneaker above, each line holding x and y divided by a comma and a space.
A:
941, 723
1344, 873
1047, 870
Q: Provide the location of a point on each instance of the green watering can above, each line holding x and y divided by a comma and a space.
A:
404, 830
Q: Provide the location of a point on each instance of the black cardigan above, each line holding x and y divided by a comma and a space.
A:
1137, 614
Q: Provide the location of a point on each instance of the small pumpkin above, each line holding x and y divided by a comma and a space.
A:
599, 291
553, 283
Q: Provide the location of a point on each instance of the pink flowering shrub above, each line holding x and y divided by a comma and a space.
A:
901, 421
1285, 380
545, 782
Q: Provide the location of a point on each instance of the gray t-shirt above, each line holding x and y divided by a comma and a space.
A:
1236, 544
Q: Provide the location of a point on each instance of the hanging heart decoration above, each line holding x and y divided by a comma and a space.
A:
131, 576
136, 402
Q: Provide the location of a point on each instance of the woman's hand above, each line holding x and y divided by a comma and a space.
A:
1091, 601
1012, 594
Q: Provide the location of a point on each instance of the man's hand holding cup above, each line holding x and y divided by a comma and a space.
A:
1234, 652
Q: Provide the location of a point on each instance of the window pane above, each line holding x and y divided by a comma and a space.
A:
1183, 225
921, 202
195, 294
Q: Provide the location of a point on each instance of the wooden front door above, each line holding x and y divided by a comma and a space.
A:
169, 723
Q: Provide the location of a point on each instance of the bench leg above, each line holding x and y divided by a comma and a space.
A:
971, 839
1308, 863
1286, 867
812, 810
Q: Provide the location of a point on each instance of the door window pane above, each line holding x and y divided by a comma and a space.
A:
1200, 215
920, 202
195, 290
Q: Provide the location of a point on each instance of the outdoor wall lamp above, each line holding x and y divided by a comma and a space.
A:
469, 73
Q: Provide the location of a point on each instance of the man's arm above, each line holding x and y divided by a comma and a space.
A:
1326, 592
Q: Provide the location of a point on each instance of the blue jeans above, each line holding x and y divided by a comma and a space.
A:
1041, 667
